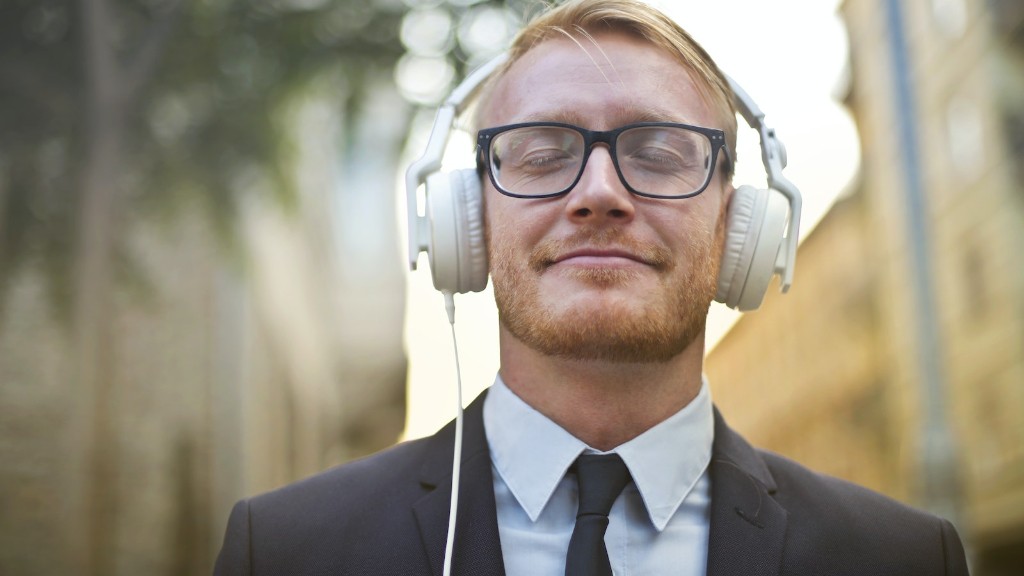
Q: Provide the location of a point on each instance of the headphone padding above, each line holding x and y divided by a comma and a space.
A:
474, 265
458, 255
764, 263
739, 246
756, 222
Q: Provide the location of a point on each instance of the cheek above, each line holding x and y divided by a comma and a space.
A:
709, 216
688, 224
515, 221
492, 220
500, 228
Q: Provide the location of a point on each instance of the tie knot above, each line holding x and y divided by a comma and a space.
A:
601, 478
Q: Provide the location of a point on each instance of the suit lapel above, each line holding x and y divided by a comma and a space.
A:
477, 544
747, 530
748, 526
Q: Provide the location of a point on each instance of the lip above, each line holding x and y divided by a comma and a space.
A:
599, 257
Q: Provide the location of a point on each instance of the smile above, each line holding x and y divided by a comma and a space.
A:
603, 258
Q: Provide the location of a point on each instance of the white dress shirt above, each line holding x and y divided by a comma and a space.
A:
658, 525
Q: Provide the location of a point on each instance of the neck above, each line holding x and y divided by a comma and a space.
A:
604, 404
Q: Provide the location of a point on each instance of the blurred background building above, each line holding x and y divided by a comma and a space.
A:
843, 373
201, 286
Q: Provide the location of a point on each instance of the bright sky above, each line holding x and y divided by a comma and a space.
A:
789, 56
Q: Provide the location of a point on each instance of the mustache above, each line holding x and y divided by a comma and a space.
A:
548, 252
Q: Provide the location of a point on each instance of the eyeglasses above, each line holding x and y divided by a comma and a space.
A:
653, 159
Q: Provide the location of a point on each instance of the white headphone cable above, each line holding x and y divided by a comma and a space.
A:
449, 305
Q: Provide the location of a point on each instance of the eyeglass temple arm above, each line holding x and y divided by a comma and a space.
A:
773, 156
430, 162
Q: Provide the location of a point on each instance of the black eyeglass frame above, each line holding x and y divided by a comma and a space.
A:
590, 137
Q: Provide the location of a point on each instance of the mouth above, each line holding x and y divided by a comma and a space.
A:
605, 251
600, 257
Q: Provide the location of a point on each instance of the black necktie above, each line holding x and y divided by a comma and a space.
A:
601, 478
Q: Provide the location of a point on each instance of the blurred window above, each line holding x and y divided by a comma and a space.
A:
950, 17
965, 135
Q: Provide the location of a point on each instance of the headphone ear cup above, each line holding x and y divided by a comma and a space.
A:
457, 251
755, 224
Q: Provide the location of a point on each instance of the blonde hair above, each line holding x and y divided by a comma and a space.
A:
587, 17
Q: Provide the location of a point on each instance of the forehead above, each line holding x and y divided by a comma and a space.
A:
598, 82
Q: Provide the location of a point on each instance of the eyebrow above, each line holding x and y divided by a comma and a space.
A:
629, 113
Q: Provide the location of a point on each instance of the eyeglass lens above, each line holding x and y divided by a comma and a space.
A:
653, 160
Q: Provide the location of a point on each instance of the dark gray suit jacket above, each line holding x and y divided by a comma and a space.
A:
388, 515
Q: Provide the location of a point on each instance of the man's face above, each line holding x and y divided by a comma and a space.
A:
600, 273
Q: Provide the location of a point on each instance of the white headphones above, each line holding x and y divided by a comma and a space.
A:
758, 244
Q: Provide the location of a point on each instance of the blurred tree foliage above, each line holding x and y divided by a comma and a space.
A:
109, 106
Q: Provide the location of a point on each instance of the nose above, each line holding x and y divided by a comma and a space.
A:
600, 197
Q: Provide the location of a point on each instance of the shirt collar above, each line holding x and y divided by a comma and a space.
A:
532, 453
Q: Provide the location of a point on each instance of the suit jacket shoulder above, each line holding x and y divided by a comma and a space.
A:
845, 520
384, 514
803, 522
304, 527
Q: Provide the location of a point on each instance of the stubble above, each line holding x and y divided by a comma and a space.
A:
657, 329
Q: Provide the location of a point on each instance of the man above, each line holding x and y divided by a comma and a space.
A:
605, 159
